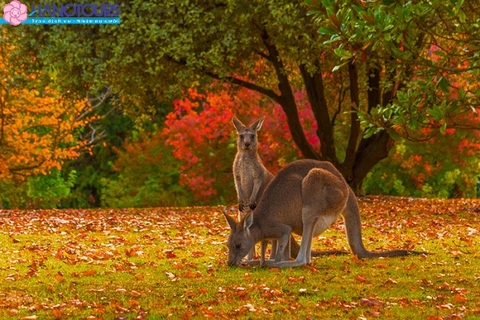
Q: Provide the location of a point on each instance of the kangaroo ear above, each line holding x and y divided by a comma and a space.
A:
257, 124
238, 124
231, 222
248, 221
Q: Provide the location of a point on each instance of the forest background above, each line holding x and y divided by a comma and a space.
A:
139, 114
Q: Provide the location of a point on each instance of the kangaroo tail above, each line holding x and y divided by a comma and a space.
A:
393, 253
354, 233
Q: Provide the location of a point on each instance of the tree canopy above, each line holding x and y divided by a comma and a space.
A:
37, 125
372, 71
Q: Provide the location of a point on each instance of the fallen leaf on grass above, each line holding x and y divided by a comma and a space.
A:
119, 267
443, 286
410, 267
135, 294
361, 278
303, 292
169, 254
171, 276
447, 306
133, 303
296, 279
59, 276
198, 254
374, 314
12, 312
459, 298
117, 306
472, 231
190, 294
57, 313
203, 290
455, 253
134, 251
11, 277
89, 273
364, 302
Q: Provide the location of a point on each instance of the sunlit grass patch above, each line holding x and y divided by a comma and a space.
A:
170, 262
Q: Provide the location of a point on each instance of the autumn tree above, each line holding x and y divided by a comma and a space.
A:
201, 134
147, 175
384, 61
444, 166
38, 127
106, 133
367, 67
190, 160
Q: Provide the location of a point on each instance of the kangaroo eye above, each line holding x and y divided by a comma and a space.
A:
238, 246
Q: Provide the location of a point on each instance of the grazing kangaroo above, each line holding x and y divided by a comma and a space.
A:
306, 197
251, 176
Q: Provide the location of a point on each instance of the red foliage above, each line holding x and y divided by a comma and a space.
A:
202, 135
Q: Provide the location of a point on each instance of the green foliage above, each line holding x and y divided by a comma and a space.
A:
148, 176
446, 167
406, 66
112, 127
430, 92
13, 194
124, 191
47, 191
39, 192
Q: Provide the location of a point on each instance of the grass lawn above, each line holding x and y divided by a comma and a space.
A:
170, 263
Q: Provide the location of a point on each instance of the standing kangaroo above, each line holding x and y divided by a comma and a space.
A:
251, 176
306, 197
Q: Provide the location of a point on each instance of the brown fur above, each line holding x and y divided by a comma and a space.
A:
305, 198
251, 176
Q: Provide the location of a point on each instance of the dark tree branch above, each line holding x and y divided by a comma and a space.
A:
315, 92
354, 123
246, 84
264, 55
17, 170
287, 100
341, 97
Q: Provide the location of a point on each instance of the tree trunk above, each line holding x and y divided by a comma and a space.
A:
361, 156
287, 100
350, 152
316, 97
370, 152
289, 106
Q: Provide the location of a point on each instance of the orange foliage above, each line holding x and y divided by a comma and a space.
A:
36, 128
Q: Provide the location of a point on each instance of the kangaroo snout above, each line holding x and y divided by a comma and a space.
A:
231, 264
